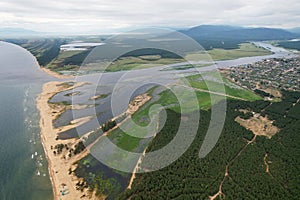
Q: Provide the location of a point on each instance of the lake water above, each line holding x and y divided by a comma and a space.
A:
23, 167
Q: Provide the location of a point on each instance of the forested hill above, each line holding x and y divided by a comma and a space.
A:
227, 37
240, 166
295, 30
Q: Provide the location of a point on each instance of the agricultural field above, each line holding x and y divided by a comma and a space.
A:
244, 50
49, 55
202, 81
148, 61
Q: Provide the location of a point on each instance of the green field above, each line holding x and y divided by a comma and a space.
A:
71, 60
48, 54
169, 100
62, 56
245, 50
130, 63
198, 82
142, 62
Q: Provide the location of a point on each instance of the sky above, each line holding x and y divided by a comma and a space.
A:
107, 16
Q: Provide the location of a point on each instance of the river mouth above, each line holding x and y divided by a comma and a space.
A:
133, 82
22, 140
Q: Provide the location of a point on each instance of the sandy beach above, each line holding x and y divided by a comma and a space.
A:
64, 184
60, 164
55, 74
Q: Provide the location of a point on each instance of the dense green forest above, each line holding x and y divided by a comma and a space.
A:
290, 45
245, 162
72, 62
229, 37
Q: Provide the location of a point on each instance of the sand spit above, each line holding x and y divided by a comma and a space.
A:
60, 164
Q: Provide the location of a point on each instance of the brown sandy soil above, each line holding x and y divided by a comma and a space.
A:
136, 168
74, 123
55, 74
220, 193
59, 164
267, 163
97, 97
275, 93
137, 102
133, 176
259, 125
61, 108
226, 170
245, 111
272, 91
79, 107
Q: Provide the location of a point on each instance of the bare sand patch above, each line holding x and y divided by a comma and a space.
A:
80, 107
74, 123
273, 92
64, 183
137, 102
266, 162
259, 125
55, 74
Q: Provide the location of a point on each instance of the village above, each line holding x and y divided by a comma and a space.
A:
282, 74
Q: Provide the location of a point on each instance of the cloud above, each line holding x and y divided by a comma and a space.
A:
102, 15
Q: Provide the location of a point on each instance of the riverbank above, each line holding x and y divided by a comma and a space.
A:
64, 184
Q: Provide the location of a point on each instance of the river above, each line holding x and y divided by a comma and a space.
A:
125, 85
23, 167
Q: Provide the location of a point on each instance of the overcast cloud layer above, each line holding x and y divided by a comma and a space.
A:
76, 16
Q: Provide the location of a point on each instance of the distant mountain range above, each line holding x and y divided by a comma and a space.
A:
17, 32
239, 33
229, 37
295, 30
199, 33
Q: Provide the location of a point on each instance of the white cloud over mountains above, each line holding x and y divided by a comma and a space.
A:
69, 16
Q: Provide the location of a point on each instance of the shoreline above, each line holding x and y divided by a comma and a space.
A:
55, 74
60, 164
63, 183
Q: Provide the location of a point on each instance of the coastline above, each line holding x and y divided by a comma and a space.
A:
47, 130
60, 165
55, 74
63, 183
